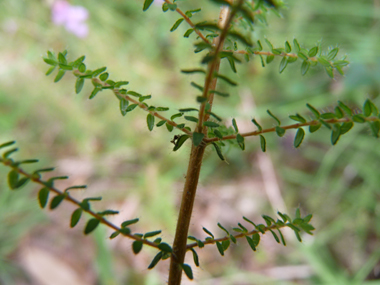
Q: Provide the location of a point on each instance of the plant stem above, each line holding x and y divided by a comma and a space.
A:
195, 162
188, 196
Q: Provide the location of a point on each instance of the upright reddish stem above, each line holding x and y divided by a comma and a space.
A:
196, 157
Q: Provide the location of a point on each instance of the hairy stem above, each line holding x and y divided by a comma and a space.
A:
188, 196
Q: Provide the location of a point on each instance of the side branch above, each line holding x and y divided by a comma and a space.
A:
140, 104
294, 126
241, 235
191, 24
67, 197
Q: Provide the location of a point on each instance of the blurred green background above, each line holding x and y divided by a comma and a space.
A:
137, 172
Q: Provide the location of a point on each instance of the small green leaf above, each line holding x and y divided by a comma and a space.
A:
50, 70
288, 48
313, 52
143, 98
263, 143
27, 161
269, 43
327, 125
114, 234
218, 134
75, 217
275, 236
50, 61
210, 124
187, 269
251, 243
191, 119
147, 4
218, 151
180, 141
298, 118
195, 257
296, 45
305, 67
200, 88
43, 196
223, 94
274, 117
197, 138
62, 58
257, 125
298, 236
256, 239
131, 107
13, 179
226, 244
329, 72
94, 92
56, 201
313, 110
59, 76
220, 248
375, 128
126, 231
324, 61
124, 103
188, 33
280, 131
22, 182
82, 68
91, 225
301, 55
137, 245
335, 135
155, 260
283, 64
160, 123
176, 24
226, 79
240, 141
314, 128
358, 118
150, 121
129, 222
367, 110
208, 232
104, 76
165, 247
152, 234
172, 7
327, 116
169, 127
282, 237
7, 144
235, 125
345, 127
338, 112
298, 213
262, 60
299, 137
269, 59
332, 54
79, 85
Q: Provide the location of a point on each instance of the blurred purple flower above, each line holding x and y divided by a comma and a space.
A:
71, 17
158, 2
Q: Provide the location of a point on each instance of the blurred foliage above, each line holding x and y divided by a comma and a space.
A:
339, 184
